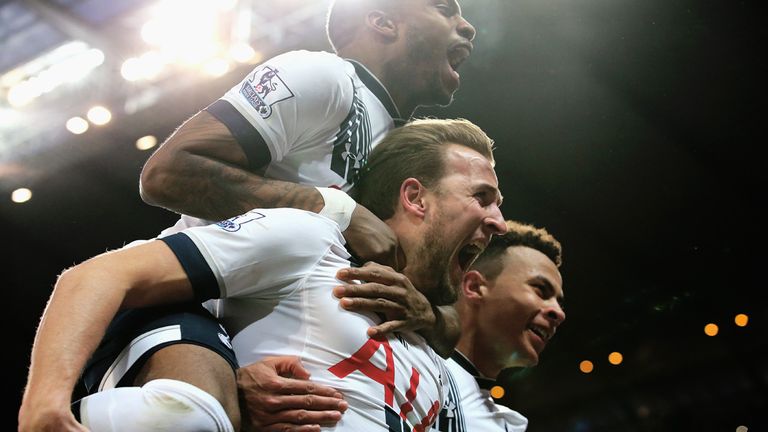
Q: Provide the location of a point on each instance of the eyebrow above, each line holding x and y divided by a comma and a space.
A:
454, 4
550, 288
485, 187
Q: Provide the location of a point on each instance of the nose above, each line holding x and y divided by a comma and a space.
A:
494, 222
465, 29
554, 312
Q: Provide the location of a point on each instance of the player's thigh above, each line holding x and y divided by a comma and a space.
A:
195, 365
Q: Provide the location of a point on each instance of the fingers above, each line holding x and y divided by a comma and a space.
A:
372, 272
289, 366
389, 308
388, 327
280, 386
298, 413
276, 406
295, 420
371, 291
284, 427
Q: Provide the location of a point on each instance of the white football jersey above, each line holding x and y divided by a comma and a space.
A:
305, 117
469, 406
275, 270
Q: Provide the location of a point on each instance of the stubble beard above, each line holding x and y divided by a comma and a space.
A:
434, 259
423, 55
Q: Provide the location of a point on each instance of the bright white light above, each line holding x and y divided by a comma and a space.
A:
152, 64
77, 125
21, 195
131, 69
146, 142
22, 94
9, 117
148, 66
192, 39
226, 5
71, 65
216, 67
12, 78
99, 115
242, 53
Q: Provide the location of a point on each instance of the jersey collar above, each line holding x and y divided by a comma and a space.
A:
377, 88
484, 382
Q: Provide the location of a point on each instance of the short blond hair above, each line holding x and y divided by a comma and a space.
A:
416, 150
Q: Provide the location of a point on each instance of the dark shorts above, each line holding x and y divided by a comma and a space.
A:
135, 334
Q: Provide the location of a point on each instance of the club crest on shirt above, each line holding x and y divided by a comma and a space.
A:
264, 89
235, 223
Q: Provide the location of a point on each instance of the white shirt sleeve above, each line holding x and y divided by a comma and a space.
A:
266, 252
295, 97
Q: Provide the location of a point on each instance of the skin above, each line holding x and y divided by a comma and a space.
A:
439, 24
497, 314
202, 171
87, 296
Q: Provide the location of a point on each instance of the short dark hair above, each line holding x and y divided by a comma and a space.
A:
414, 150
344, 16
519, 234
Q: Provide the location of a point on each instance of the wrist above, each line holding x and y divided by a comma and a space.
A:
338, 206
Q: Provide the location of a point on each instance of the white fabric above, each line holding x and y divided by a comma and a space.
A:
472, 409
338, 206
160, 405
317, 100
276, 268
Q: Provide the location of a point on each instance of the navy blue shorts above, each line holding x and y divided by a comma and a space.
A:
135, 334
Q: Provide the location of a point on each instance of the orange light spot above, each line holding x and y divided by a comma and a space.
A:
497, 392
586, 366
741, 320
711, 329
615, 358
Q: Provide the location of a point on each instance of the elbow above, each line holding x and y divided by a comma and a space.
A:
149, 186
156, 184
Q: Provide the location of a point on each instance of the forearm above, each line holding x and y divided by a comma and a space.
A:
202, 171
445, 334
72, 326
213, 190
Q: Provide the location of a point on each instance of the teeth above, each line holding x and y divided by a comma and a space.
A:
468, 254
457, 57
541, 332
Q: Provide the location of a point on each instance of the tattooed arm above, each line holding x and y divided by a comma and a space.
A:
201, 171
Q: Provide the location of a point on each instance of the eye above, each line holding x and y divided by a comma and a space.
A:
484, 197
445, 9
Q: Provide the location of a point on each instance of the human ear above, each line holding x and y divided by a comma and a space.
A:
382, 24
412, 197
474, 286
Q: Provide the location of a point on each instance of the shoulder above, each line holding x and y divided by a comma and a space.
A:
320, 65
285, 225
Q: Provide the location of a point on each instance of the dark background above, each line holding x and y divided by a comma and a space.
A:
631, 130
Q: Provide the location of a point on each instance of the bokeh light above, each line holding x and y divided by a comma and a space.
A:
497, 392
741, 320
711, 329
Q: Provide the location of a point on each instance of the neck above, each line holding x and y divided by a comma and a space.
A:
375, 61
471, 348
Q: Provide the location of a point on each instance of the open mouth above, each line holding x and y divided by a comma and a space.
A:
458, 54
468, 254
541, 332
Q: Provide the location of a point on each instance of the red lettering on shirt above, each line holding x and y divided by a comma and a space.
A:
410, 395
361, 360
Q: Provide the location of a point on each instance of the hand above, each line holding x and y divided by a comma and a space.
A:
387, 292
36, 420
277, 396
370, 239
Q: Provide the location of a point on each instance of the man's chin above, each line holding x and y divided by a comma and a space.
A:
445, 294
